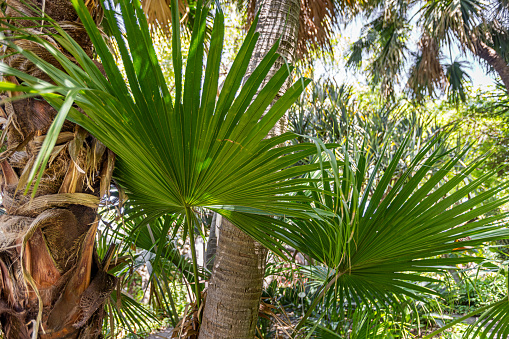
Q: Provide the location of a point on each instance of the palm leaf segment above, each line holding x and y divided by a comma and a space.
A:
190, 150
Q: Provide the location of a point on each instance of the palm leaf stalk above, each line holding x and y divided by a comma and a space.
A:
379, 239
187, 151
190, 217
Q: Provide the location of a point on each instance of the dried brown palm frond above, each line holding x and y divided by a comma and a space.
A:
427, 73
316, 25
95, 9
158, 13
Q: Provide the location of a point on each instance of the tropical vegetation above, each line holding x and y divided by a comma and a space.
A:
140, 193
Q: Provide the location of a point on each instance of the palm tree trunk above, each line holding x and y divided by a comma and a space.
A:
233, 294
51, 280
495, 60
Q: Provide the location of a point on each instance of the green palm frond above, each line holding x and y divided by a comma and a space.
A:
365, 44
138, 248
385, 39
382, 234
127, 315
457, 77
365, 324
159, 16
390, 59
492, 323
178, 153
446, 19
187, 151
158, 238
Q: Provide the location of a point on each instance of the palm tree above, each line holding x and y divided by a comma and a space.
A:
239, 266
183, 175
475, 27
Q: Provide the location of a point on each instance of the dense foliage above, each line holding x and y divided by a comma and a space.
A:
385, 217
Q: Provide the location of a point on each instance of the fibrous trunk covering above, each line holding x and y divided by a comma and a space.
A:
49, 270
233, 294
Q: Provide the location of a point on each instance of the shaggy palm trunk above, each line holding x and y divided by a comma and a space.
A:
233, 295
51, 280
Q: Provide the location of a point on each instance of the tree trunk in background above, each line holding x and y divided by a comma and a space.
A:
47, 258
233, 295
210, 254
495, 60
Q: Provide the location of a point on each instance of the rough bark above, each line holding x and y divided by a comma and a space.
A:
233, 294
48, 264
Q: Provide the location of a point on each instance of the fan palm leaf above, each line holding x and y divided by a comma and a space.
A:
385, 38
381, 236
153, 250
182, 152
493, 323
449, 18
457, 77
191, 150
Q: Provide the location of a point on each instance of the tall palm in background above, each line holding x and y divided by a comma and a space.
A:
239, 265
476, 27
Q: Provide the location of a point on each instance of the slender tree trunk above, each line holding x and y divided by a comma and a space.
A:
495, 60
210, 254
233, 295
51, 280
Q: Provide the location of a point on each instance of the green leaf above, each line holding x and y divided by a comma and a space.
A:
49, 142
